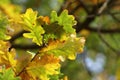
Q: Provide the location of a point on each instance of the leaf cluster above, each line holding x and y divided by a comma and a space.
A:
56, 37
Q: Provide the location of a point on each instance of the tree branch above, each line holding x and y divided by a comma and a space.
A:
17, 36
91, 17
88, 20
103, 30
114, 17
107, 44
40, 47
102, 8
17, 46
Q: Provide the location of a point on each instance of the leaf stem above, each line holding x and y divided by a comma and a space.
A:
30, 61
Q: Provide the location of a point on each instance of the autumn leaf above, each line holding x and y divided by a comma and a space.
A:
30, 24
43, 66
7, 58
22, 62
43, 20
60, 27
67, 48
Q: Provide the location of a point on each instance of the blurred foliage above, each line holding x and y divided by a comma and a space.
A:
97, 20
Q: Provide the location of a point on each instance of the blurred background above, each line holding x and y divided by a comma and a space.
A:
99, 22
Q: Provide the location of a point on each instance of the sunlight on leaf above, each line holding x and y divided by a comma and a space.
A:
30, 24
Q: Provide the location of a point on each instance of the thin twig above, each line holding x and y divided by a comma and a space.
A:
115, 40
102, 8
30, 61
110, 31
75, 9
88, 20
113, 16
65, 6
84, 64
27, 65
106, 43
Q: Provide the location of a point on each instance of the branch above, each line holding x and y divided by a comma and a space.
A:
107, 44
91, 16
84, 56
33, 46
84, 25
113, 3
73, 11
16, 36
27, 65
40, 47
61, 8
102, 8
88, 20
65, 5
116, 41
113, 16
103, 30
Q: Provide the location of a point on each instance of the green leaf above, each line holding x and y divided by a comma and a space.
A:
8, 74
54, 77
61, 27
65, 20
35, 35
53, 31
3, 28
54, 17
30, 24
29, 18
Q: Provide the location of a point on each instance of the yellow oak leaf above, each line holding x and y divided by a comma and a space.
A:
43, 66
67, 49
7, 57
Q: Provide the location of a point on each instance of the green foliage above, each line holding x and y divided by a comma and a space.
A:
58, 27
3, 28
8, 74
61, 27
4, 1
54, 77
65, 20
